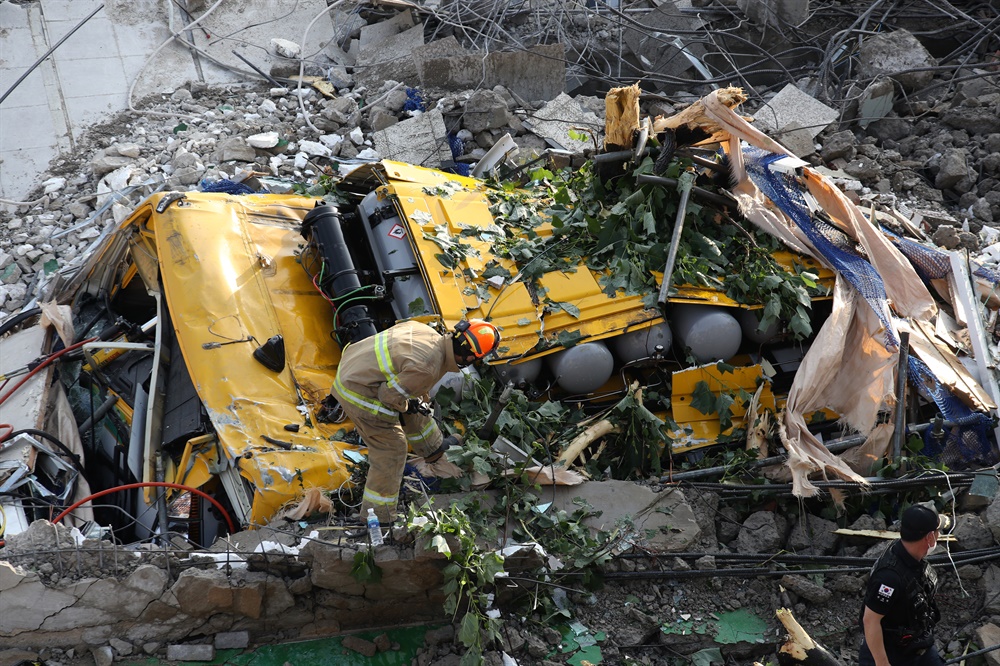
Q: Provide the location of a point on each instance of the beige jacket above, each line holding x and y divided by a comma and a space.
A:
381, 373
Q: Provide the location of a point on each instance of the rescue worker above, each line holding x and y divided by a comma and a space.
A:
382, 383
899, 611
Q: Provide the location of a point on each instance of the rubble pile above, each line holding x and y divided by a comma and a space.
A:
900, 118
290, 581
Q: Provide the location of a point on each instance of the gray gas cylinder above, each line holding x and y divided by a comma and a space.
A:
639, 344
519, 373
583, 368
749, 324
711, 332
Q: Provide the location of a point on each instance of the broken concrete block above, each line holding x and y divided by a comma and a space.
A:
555, 120
952, 168
422, 140
263, 140
390, 58
190, 652
232, 640
797, 139
989, 634
285, 48
485, 110
658, 43
377, 33
791, 105
538, 73
893, 54
781, 13
839, 144
235, 149
380, 118
973, 119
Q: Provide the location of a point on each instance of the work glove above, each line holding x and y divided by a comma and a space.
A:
417, 406
446, 443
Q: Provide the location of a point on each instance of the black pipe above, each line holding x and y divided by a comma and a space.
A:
98, 414
697, 192
322, 227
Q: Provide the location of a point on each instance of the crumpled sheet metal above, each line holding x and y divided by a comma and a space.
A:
232, 280
847, 368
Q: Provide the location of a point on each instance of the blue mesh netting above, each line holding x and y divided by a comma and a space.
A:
414, 101
225, 185
786, 193
457, 150
969, 440
930, 263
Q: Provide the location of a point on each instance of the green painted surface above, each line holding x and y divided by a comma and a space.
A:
740, 626
318, 652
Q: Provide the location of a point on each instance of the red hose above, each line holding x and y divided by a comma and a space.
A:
41, 365
152, 484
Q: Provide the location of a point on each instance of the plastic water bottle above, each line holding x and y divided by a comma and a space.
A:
374, 529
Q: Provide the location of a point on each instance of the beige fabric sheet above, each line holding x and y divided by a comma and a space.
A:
847, 368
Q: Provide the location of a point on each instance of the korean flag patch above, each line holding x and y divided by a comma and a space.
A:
885, 592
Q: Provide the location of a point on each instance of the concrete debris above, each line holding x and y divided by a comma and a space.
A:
780, 13
897, 54
791, 105
658, 45
422, 140
566, 123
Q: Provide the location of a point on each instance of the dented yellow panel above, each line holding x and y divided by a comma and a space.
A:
699, 428
231, 282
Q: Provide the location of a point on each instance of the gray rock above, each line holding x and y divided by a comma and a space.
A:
946, 236
485, 110
103, 656
865, 170
105, 164
705, 563
379, 118
121, 648
973, 119
235, 149
992, 517
986, 635
728, 525
181, 95
232, 640
839, 144
952, 168
890, 129
991, 589
892, 54
759, 534
806, 589
445, 634
812, 534
968, 241
536, 647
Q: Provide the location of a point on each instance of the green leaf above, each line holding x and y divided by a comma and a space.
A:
468, 632
568, 338
445, 260
703, 399
569, 308
417, 307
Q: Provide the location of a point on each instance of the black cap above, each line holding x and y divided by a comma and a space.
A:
920, 520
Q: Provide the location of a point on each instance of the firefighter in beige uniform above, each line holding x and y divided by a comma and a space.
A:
382, 382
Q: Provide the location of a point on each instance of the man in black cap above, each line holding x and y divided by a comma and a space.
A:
899, 612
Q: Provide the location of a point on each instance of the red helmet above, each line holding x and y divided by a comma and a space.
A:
481, 337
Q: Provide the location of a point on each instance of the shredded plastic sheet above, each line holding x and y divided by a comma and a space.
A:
851, 365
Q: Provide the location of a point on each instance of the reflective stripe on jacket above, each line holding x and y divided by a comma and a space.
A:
381, 373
